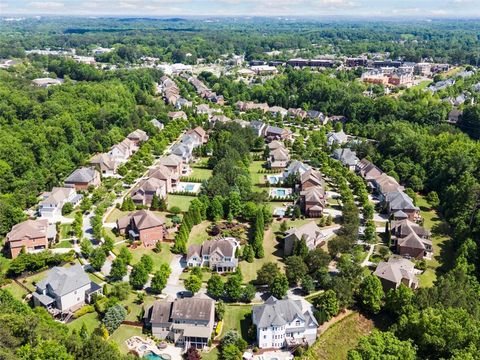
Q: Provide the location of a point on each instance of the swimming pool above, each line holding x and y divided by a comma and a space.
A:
274, 179
280, 192
189, 187
152, 356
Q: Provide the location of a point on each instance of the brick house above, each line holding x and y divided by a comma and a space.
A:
32, 235
83, 178
142, 225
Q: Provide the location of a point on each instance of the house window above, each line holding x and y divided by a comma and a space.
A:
297, 323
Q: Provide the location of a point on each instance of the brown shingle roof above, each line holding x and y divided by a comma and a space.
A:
28, 229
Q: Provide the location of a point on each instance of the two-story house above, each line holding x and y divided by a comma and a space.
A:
411, 239
310, 232
146, 189
65, 289
105, 164
398, 201
284, 323
122, 151
396, 271
185, 322
142, 225
53, 201
137, 136
31, 235
217, 254
165, 174
83, 178
172, 162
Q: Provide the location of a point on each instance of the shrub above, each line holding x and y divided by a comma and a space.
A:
87, 309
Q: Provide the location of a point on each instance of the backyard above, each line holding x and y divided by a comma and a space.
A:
164, 256
237, 317
123, 333
442, 254
335, 342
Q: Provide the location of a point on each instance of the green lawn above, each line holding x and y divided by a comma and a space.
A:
115, 215
91, 321
212, 355
199, 233
335, 342
134, 309
237, 318
65, 231
200, 171
16, 290
206, 275
442, 252
182, 201
165, 256
123, 333
422, 85
257, 177
64, 244
33, 279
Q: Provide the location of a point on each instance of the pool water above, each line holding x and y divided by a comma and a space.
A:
189, 187
280, 192
152, 356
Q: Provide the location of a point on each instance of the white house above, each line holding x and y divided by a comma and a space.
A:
52, 202
218, 254
338, 138
65, 289
284, 323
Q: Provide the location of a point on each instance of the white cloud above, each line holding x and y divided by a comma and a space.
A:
47, 5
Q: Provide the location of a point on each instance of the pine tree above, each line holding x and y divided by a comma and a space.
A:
155, 203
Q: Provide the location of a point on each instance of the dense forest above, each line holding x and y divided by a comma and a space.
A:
172, 39
46, 133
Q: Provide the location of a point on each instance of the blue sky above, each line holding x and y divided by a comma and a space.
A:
285, 8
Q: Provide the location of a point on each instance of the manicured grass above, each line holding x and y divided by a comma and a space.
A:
212, 355
91, 321
272, 248
30, 280
199, 171
335, 342
16, 290
165, 256
440, 241
64, 244
65, 231
257, 177
123, 333
135, 309
206, 275
237, 318
183, 202
199, 233
115, 215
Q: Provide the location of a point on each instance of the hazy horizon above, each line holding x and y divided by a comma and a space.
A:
422, 9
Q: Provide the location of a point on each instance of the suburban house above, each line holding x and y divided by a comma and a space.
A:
277, 110
411, 239
122, 151
296, 167
454, 115
165, 174
52, 202
317, 116
146, 189
104, 163
137, 137
278, 158
203, 109
142, 225
222, 119
250, 105
31, 235
218, 255
398, 204
276, 133
83, 178
396, 271
198, 133
177, 115
367, 170
65, 289
183, 103
186, 322
347, 157
312, 193
310, 232
297, 113
311, 178
172, 162
183, 150
157, 124
338, 138
275, 144
284, 323
386, 184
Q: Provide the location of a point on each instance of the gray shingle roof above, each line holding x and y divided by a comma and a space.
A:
62, 281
